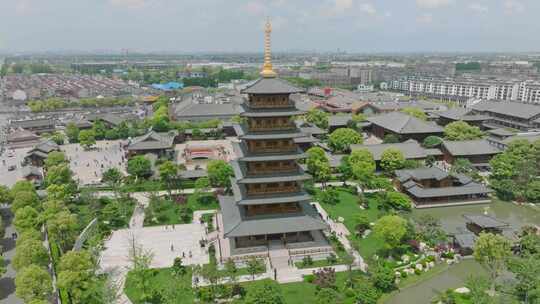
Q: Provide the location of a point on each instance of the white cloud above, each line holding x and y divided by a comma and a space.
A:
478, 8
425, 18
368, 8
433, 3
133, 4
513, 6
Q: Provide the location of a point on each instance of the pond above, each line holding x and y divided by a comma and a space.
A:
452, 221
424, 291
452, 217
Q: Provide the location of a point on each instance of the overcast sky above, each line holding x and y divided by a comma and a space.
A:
236, 25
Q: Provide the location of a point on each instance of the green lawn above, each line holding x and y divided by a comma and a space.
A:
348, 209
163, 211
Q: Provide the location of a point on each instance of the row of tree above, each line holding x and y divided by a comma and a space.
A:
53, 104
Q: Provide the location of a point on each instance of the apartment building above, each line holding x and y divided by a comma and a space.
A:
462, 89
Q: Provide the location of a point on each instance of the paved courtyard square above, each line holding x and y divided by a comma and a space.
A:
158, 240
88, 166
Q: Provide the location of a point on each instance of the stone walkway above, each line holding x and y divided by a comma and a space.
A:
7, 281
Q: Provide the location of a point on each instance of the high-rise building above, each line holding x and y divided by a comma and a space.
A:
269, 204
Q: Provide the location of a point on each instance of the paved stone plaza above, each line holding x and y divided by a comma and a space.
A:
88, 166
158, 240
11, 158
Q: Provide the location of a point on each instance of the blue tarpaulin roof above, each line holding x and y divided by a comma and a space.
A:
168, 86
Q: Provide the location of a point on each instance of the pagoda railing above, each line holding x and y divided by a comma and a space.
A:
278, 149
253, 191
272, 170
270, 104
289, 127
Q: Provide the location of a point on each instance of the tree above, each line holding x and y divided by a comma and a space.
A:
58, 138
341, 139
318, 118
532, 194
63, 228
325, 278
168, 172
362, 166
231, 270
3, 268
432, 141
76, 274
392, 159
382, 277
525, 270
254, 266
415, 112
361, 222
268, 292
21, 186
33, 283
5, 195
492, 250
30, 252
366, 293
23, 199
328, 295
113, 178
460, 130
87, 138
219, 173
139, 166
72, 132
141, 260
318, 164
398, 201
99, 129
391, 229
477, 289
55, 158
329, 196
428, 229
390, 139
60, 175
26, 218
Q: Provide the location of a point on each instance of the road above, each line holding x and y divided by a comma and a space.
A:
7, 282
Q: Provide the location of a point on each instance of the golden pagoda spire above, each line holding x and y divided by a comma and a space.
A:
267, 71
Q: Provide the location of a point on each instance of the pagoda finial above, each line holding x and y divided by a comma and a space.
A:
267, 71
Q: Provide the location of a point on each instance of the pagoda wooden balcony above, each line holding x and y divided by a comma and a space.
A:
271, 170
272, 209
262, 191
263, 128
267, 104
276, 149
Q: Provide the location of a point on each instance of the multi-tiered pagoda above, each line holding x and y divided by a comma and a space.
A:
268, 202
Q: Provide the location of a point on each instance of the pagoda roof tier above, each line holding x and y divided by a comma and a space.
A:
270, 86
241, 198
240, 172
236, 224
245, 134
268, 112
244, 155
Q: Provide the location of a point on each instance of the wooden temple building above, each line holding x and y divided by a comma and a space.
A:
269, 204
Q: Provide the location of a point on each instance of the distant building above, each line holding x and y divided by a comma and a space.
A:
495, 115
478, 152
404, 126
158, 143
39, 153
431, 187
38, 126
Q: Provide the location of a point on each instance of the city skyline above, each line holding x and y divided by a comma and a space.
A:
231, 26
